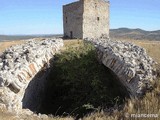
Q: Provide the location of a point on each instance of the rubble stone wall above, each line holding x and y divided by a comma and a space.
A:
129, 62
18, 66
23, 69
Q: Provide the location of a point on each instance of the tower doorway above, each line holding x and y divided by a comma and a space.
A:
71, 34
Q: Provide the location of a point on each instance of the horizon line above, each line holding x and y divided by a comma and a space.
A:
39, 34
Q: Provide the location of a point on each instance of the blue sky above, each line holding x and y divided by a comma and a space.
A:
45, 16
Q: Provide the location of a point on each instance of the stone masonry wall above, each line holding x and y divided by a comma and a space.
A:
19, 65
129, 62
86, 19
95, 18
72, 19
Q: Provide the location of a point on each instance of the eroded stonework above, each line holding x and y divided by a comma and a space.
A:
129, 62
18, 66
20, 87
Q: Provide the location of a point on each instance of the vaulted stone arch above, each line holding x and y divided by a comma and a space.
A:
21, 67
129, 62
24, 68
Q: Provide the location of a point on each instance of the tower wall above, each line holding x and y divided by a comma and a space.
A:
86, 19
72, 19
95, 18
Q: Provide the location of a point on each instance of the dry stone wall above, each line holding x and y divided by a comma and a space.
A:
129, 62
18, 66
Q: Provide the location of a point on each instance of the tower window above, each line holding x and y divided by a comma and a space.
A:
66, 19
98, 18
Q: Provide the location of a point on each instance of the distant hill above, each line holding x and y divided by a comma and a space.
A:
121, 33
23, 37
136, 34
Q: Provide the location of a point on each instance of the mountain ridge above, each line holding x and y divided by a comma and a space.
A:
136, 34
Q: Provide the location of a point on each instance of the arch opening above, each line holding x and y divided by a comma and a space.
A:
35, 91
75, 84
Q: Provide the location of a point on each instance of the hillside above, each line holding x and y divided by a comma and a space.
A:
120, 33
136, 34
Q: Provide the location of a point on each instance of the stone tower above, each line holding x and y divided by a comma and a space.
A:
86, 19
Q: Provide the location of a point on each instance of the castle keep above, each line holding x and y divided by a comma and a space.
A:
86, 19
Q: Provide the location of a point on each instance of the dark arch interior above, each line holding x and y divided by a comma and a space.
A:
74, 86
35, 91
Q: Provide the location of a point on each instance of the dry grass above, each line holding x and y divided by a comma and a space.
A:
67, 43
150, 104
7, 44
152, 48
71, 43
6, 116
